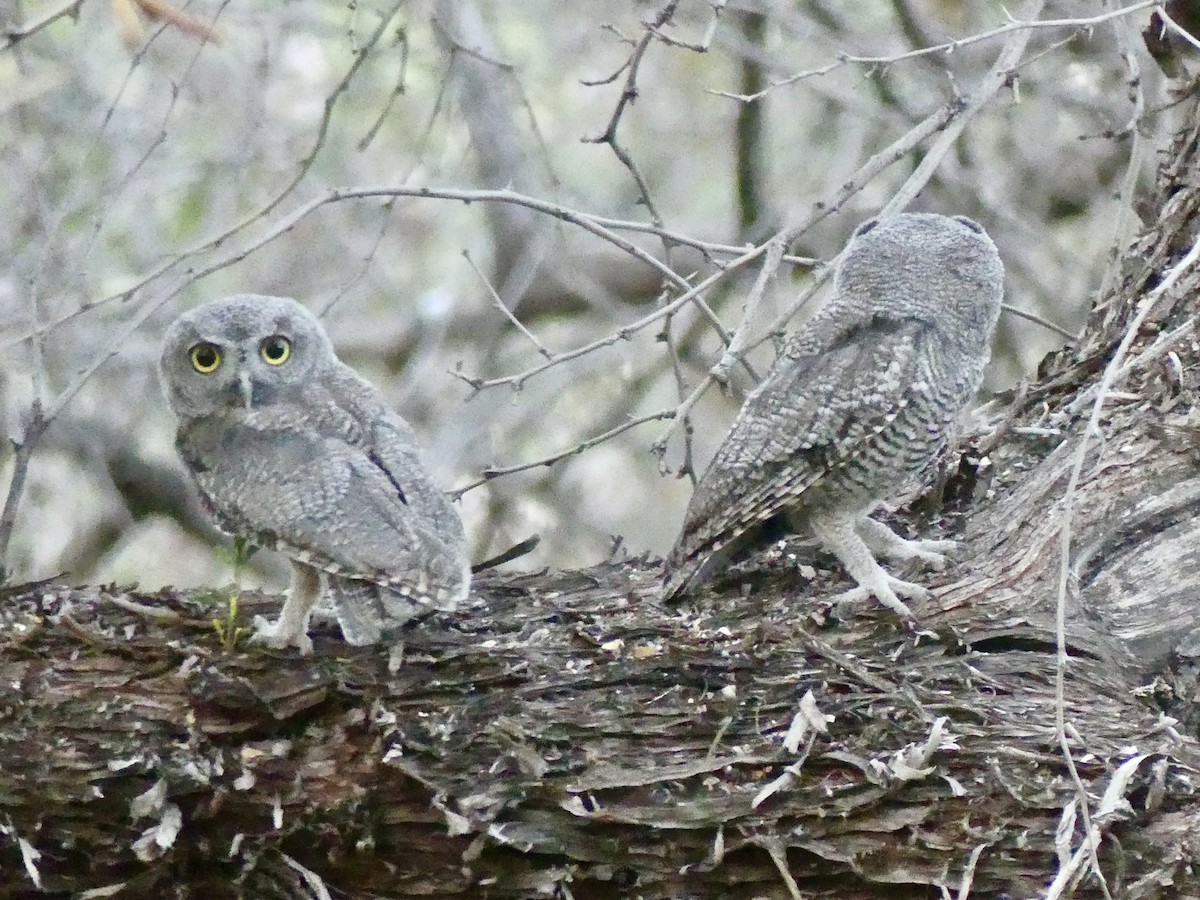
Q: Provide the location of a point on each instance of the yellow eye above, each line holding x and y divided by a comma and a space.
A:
205, 358
275, 350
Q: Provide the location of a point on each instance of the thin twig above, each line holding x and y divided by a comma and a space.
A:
605, 226
629, 92
1162, 345
1187, 36
621, 334
264, 210
701, 46
574, 450
682, 417
388, 207
882, 160
35, 427
1113, 371
158, 613
692, 294
947, 122
1038, 320
508, 313
778, 854
766, 274
128, 178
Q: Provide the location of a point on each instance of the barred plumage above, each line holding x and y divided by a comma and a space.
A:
860, 401
291, 450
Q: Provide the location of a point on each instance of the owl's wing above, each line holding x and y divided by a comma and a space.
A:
382, 432
395, 447
325, 502
822, 399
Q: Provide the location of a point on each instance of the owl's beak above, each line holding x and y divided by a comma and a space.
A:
247, 389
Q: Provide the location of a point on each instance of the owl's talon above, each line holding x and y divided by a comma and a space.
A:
938, 547
933, 553
887, 591
935, 561
883, 541
276, 634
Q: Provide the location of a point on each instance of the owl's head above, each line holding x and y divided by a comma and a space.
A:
243, 351
942, 269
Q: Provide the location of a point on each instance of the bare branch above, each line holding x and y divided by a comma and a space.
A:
34, 428
604, 226
1038, 320
882, 160
623, 333
272, 204
1175, 27
701, 46
682, 413
1112, 372
766, 274
686, 468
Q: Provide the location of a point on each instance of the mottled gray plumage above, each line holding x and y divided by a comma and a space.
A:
860, 401
293, 451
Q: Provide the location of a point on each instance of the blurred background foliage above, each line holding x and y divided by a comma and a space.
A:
157, 156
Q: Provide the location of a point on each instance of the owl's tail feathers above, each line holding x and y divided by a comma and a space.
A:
369, 613
360, 611
437, 576
689, 568
685, 573
678, 579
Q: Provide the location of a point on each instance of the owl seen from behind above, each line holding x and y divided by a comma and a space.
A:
861, 400
293, 451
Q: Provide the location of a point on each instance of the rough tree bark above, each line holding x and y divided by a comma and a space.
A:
569, 736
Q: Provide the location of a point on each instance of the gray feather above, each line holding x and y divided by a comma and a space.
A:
863, 396
294, 451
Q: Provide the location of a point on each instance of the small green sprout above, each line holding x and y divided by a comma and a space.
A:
228, 629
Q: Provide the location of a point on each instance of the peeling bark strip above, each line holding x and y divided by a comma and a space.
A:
572, 737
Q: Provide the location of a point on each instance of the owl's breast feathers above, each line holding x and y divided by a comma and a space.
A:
318, 498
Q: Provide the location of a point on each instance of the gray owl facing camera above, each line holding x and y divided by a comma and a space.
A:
860, 401
293, 451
